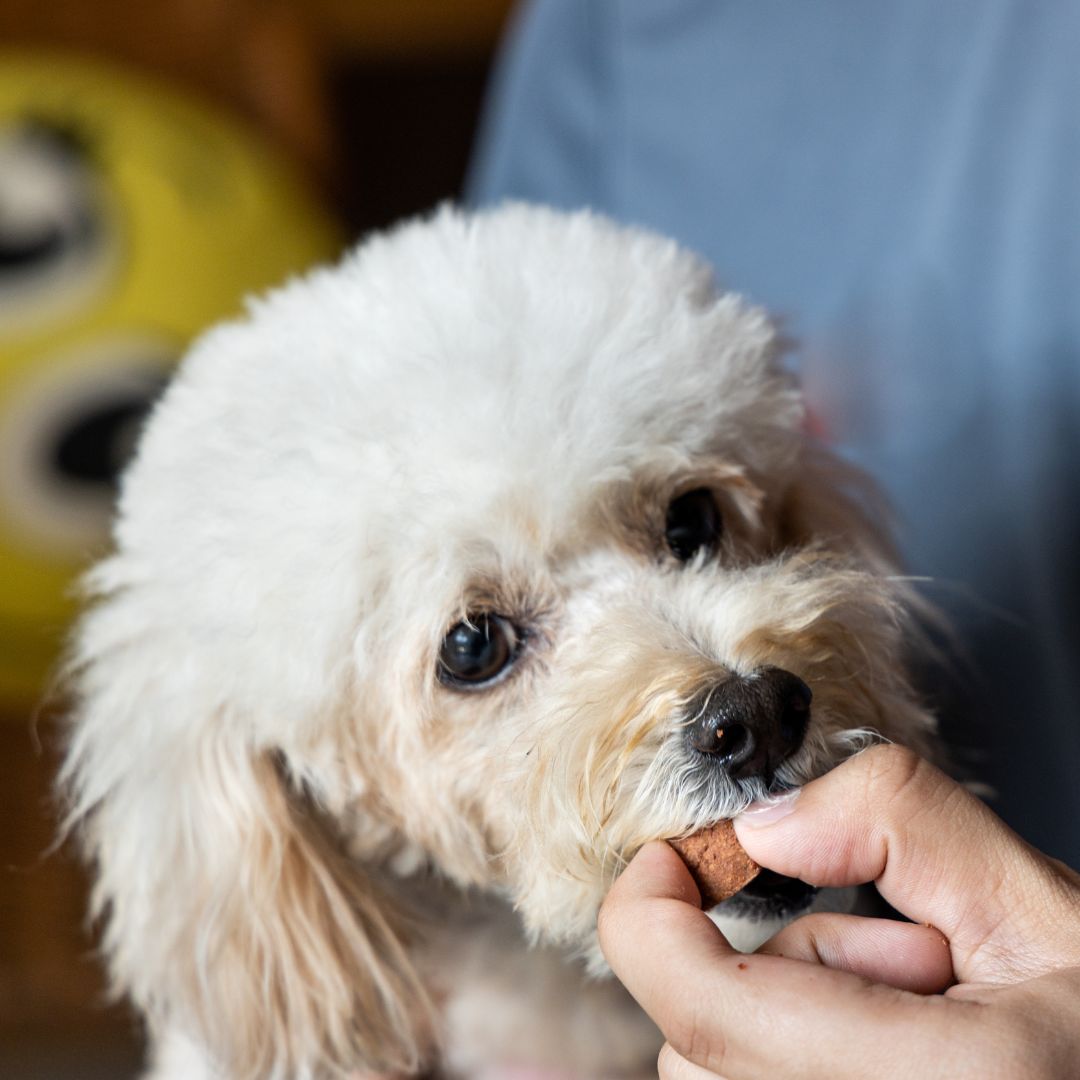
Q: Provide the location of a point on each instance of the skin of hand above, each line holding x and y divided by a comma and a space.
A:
983, 983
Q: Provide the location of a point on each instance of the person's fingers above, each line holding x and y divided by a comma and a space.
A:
908, 956
656, 897
673, 1066
936, 853
748, 1016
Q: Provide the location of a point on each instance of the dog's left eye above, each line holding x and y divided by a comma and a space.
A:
693, 524
477, 651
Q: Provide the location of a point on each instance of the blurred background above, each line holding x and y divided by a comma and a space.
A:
159, 159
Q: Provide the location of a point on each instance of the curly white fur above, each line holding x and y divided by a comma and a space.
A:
306, 845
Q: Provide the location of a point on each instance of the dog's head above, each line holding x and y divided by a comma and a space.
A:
496, 550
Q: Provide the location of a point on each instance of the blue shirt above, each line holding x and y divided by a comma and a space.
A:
900, 183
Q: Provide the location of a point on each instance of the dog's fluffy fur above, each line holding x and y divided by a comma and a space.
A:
315, 857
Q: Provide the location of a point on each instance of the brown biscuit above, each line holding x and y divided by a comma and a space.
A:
717, 862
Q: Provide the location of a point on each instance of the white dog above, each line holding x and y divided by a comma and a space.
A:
444, 581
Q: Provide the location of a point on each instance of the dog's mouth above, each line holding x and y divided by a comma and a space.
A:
770, 896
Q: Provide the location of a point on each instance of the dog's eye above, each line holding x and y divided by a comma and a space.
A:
693, 524
478, 650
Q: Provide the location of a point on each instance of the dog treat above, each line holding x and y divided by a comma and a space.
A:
717, 862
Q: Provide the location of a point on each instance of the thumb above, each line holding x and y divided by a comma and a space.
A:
936, 853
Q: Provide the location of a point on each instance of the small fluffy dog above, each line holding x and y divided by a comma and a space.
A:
444, 581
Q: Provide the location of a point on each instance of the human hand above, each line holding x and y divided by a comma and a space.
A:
984, 983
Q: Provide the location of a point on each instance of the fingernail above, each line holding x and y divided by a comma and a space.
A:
767, 811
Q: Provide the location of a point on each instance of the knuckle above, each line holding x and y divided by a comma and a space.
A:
819, 945
891, 764
801, 939
668, 1065
899, 775
694, 1040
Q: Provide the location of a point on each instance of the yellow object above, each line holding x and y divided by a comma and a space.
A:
131, 217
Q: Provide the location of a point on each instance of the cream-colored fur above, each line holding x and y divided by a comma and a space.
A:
313, 857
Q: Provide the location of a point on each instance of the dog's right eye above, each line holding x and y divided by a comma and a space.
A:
477, 651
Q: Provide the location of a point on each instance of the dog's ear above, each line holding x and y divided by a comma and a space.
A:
231, 919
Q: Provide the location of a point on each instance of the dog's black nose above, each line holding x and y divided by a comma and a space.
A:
750, 724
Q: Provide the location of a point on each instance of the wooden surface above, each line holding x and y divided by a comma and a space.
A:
412, 27
53, 1020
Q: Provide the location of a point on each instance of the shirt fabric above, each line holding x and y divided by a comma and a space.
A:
900, 185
